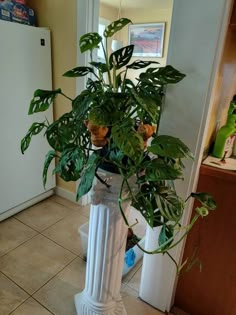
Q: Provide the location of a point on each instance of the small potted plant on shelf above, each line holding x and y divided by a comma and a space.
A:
110, 126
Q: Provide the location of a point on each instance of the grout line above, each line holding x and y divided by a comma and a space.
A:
69, 250
19, 245
42, 306
15, 283
19, 306
54, 277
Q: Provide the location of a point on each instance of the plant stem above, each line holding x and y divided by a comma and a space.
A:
102, 181
66, 96
107, 62
162, 249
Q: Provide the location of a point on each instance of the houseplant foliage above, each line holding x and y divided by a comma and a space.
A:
109, 124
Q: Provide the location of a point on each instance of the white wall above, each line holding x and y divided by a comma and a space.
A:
196, 39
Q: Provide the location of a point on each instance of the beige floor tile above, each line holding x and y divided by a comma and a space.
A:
84, 210
31, 307
11, 295
135, 306
43, 214
132, 272
58, 294
65, 233
127, 290
12, 234
35, 262
134, 282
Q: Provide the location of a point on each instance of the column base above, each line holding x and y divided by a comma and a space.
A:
86, 306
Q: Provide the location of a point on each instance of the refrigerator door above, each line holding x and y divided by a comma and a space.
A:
25, 65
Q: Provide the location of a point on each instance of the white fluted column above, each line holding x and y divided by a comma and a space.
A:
106, 250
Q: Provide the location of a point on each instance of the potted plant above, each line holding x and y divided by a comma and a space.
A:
108, 128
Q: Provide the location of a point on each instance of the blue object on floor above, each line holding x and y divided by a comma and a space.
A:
130, 257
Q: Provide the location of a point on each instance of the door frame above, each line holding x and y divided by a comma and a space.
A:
87, 21
162, 296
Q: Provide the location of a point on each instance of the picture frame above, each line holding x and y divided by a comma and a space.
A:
148, 39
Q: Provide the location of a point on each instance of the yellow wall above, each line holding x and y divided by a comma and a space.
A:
143, 15
150, 15
60, 17
108, 12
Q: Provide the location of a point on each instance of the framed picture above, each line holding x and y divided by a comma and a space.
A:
147, 39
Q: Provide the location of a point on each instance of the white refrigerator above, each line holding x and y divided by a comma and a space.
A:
25, 65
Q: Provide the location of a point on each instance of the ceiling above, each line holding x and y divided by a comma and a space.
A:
139, 4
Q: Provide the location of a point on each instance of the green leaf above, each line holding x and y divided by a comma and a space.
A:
42, 100
144, 201
158, 170
140, 64
88, 175
168, 146
102, 67
121, 57
78, 72
89, 41
144, 205
62, 132
147, 103
81, 104
131, 145
205, 199
35, 129
115, 27
169, 74
161, 76
70, 164
102, 117
48, 159
169, 203
166, 234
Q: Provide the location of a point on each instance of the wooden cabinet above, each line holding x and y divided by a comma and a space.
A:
233, 17
212, 291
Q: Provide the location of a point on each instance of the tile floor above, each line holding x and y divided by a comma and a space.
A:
41, 266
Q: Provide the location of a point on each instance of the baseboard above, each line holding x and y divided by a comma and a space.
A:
26, 204
69, 195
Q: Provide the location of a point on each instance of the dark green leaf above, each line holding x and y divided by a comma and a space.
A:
42, 100
161, 76
70, 164
139, 64
48, 159
93, 86
169, 74
81, 104
89, 41
131, 145
102, 117
88, 175
170, 147
205, 199
149, 104
62, 132
169, 203
121, 57
35, 129
115, 27
166, 235
157, 170
144, 201
102, 67
78, 72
